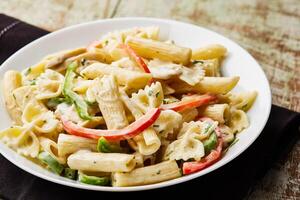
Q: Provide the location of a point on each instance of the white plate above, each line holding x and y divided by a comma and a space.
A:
238, 63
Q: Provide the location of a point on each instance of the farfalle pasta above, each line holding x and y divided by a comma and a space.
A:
126, 110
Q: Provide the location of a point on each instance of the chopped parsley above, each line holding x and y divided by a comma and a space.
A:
150, 93
156, 125
33, 82
28, 71
157, 94
197, 61
158, 172
83, 61
244, 106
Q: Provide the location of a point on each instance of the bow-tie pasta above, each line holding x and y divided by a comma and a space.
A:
150, 97
49, 84
21, 139
43, 120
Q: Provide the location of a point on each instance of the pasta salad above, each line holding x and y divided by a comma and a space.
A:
126, 110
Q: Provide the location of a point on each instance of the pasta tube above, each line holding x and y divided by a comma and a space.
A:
68, 144
107, 95
98, 55
209, 52
129, 78
147, 175
156, 49
211, 67
93, 180
56, 59
216, 85
102, 162
12, 80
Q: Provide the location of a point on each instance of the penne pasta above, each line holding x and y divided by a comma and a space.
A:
107, 95
211, 67
147, 175
98, 55
130, 79
69, 144
59, 58
209, 52
216, 85
155, 49
101, 162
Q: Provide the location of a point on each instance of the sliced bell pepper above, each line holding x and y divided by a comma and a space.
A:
192, 102
93, 180
105, 147
211, 158
210, 143
137, 58
70, 173
51, 163
80, 105
113, 135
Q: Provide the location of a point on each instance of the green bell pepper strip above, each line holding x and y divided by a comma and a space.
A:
210, 143
93, 180
70, 173
51, 163
53, 102
80, 104
106, 147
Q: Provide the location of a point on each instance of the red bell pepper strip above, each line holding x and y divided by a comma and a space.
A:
136, 57
113, 135
211, 158
192, 102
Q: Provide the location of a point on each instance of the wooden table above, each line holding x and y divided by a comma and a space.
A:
269, 30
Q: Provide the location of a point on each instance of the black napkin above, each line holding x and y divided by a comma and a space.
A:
232, 181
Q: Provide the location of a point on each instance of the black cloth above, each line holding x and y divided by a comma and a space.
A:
232, 181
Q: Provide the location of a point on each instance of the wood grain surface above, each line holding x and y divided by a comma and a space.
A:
268, 29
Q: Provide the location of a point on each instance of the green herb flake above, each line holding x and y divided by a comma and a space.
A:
150, 93
197, 61
28, 71
244, 106
158, 172
83, 61
157, 94
33, 82
156, 126
161, 131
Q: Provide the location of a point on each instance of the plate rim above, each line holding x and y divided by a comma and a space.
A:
156, 185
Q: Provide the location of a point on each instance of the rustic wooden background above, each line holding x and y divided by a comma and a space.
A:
268, 29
